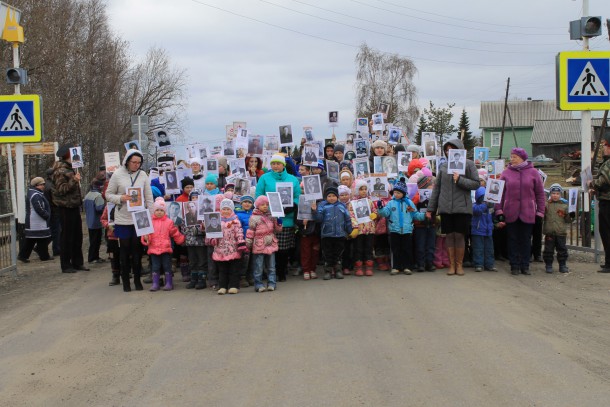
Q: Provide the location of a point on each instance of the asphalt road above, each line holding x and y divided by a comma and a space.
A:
485, 339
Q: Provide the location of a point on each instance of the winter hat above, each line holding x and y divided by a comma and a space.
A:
159, 204
346, 165
345, 174
344, 190
227, 203
63, 151
261, 200
424, 162
340, 147
246, 198
556, 188
361, 183
97, 183
399, 147
482, 174
230, 185
426, 171
196, 161
414, 148
186, 181
155, 191
278, 158
424, 182
380, 143
222, 162
213, 178
321, 165
519, 152
36, 181
331, 190
414, 166
194, 193
401, 186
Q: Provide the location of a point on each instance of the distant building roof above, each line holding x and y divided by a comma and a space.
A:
559, 131
523, 112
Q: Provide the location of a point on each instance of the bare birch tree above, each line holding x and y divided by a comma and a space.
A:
386, 78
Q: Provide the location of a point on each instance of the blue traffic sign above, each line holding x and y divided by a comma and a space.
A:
583, 80
20, 118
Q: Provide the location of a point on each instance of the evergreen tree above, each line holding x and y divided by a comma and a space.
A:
421, 127
469, 142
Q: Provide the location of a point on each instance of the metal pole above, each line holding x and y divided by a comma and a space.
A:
585, 144
11, 175
19, 161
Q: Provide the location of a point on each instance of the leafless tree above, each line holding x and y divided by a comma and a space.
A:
386, 78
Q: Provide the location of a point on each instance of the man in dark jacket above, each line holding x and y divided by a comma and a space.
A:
67, 196
55, 221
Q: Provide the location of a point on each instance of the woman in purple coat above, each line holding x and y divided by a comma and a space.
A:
522, 201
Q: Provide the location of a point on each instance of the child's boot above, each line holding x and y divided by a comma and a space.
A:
169, 284
193, 282
358, 269
563, 267
155, 282
184, 269
328, 272
549, 267
368, 268
243, 282
201, 282
338, 272
116, 278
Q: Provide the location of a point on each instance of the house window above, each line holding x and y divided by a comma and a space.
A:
495, 139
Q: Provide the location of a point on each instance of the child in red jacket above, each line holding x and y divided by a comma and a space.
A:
160, 245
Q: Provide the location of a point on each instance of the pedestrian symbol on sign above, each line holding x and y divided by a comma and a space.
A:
587, 83
16, 121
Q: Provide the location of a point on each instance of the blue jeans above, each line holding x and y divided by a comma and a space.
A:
425, 244
482, 251
269, 263
161, 262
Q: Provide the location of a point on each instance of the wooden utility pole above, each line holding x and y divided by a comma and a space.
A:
504, 118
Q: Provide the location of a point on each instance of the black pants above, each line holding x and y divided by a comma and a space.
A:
131, 258
281, 263
41, 244
347, 258
604, 228
71, 241
552, 243
401, 250
95, 241
228, 273
519, 244
55, 230
537, 237
115, 254
198, 258
363, 248
332, 250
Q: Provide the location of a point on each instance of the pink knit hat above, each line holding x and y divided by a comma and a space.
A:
261, 200
159, 204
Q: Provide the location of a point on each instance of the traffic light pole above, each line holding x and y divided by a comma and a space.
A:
585, 117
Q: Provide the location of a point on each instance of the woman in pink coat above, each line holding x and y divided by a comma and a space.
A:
160, 245
228, 249
261, 239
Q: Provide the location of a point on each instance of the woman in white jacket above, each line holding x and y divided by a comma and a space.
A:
127, 176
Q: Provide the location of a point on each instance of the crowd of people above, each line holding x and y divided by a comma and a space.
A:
431, 217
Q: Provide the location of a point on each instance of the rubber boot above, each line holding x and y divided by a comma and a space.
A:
169, 284
184, 269
155, 282
116, 278
451, 252
328, 273
358, 269
338, 272
368, 268
548, 267
384, 263
201, 282
459, 259
193, 282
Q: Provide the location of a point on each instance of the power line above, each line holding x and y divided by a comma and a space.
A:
469, 21
396, 36
357, 46
445, 23
421, 32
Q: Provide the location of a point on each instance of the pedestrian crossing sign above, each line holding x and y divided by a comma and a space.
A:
583, 80
21, 118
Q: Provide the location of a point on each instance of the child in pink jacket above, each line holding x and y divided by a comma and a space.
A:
160, 245
261, 240
228, 249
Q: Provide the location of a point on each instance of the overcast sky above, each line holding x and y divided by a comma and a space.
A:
279, 62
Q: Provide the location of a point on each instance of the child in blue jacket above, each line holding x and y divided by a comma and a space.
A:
401, 212
481, 233
336, 225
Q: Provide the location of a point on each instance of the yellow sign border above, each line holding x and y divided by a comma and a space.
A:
37, 101
562, 80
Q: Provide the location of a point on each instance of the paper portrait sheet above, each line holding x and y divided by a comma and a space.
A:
377, 121
312, 187
378, 185
428, 144
362, 210
285, 191
456, 162
304, 212
136, 199
361, 167
404, 159
494, 190
332, 170
112, 161
275, 204
142, 222
77, 157
213, 226
189, 213
205, 204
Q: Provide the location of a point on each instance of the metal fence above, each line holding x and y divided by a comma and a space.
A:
8, 244
583, 232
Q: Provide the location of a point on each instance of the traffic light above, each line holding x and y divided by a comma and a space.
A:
16, 76
586, 27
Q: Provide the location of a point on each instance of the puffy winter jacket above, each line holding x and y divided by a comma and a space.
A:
556, 218
260, 237
227, 247
400, 220
523, 196
94, 206
244, 218
334, 219
66, 189
267, 182
37, 215
482, 219
193, 235
601, 183
160, 241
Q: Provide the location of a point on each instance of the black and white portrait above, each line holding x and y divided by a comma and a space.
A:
285, 135
310, 155
242, 186
229, 149
171, 181
272, 143
203, 152
361, 147
76, 156
362, 210
285, 191
211, 165
404, 159
174, 212
389, 166
132, 145
394, 135
275, 204
213, 225
361, 167
312, 188
384, 109
142, 222
494, 190
162, 138
457, 161
255, 145
308, 133
333, 117
190, 213
205, 205
332, 170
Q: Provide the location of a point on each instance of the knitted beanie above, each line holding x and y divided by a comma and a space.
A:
380, 143
519, 152
401, 186
159, 204
186, 181
340, 147
556, 188
194, 193
261, 200
278, 158
344, 190
227, 203
246, 198
213, 178
331, 190
361, 183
